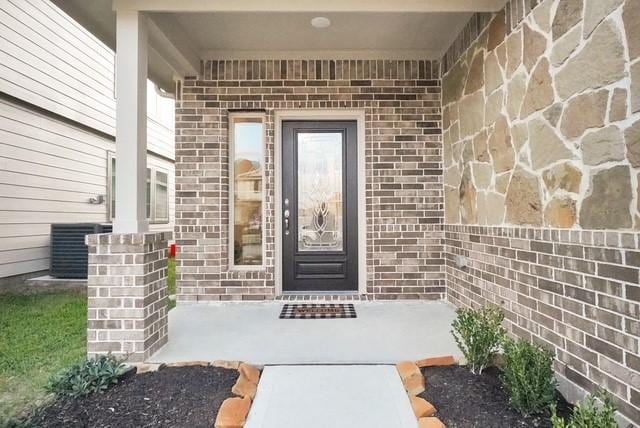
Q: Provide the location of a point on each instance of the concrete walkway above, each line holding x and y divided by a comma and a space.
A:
331, 396
383, 333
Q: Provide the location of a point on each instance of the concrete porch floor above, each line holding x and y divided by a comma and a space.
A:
382, 333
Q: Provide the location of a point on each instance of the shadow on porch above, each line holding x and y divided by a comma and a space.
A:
383, 332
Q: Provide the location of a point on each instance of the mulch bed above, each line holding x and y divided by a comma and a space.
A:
172, 397
466, 400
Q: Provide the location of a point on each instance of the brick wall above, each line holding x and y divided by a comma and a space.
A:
127, 294
576, 292
404, 202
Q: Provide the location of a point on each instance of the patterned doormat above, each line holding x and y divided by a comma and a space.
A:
312, 311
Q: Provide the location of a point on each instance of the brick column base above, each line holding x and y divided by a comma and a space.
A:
127, 294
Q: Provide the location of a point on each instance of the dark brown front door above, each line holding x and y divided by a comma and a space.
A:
319, 206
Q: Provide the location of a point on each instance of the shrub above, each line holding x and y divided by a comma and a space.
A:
87, 377
479, 335
588, 414
528, 376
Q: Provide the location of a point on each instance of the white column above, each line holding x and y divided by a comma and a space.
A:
131, 122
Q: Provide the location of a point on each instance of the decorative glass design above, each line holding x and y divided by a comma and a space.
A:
248, 161
320, 191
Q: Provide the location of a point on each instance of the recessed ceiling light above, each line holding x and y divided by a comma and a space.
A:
320, 22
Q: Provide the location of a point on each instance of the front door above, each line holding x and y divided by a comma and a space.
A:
319, 206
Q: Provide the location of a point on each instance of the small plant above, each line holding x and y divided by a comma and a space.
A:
479, 335
588, 414
87, 377
528, 376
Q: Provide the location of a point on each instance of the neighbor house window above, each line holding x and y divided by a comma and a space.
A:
156, 195
246, 193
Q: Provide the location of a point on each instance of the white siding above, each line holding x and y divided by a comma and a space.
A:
49, 60
48, 168
48, 171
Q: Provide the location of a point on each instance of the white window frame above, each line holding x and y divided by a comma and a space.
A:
110, 188
231, 199
110, 192
154, 180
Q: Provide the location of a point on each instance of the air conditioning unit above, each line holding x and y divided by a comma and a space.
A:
69, 254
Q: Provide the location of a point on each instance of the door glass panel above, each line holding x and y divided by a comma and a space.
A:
320, 191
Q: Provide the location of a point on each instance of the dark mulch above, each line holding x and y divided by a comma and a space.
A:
172, 397
466, 400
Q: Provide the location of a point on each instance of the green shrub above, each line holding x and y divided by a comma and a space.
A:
479, 335
588, 414
87, 377
528, 376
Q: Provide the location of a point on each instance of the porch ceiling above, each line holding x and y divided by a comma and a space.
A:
184, 31
260, 35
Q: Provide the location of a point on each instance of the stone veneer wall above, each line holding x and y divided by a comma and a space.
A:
541, 119
404, 201
127, 294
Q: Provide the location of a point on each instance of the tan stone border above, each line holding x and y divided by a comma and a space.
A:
415, 383
234, 410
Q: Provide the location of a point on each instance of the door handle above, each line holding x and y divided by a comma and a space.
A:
286, 222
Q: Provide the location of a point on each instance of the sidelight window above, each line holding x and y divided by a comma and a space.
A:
246, 189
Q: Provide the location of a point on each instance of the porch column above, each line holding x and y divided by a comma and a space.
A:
127, 294
131, 122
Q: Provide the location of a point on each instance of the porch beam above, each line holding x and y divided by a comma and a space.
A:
131, 122
310, 5
170, 42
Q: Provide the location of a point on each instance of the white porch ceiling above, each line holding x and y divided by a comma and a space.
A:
351, 34
184, 31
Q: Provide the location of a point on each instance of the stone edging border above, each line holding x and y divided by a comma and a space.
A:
415, 383
234, 410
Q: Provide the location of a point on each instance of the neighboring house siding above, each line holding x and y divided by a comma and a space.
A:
49, 60
57, 127
52, 62
48, 172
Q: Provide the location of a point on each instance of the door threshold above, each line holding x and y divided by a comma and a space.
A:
320, 293
323, 296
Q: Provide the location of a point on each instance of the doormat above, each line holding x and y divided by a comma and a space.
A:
317, 311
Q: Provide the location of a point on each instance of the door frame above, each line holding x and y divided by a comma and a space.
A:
319, 115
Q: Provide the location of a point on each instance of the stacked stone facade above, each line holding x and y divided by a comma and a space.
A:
127, 294
541, 117
541, 137
404, 201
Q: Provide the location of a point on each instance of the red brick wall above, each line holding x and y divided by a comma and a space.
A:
404, 200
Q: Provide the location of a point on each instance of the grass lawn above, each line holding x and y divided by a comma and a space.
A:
39, 335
